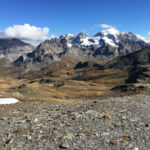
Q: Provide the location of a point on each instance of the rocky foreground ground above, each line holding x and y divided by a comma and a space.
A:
115, 123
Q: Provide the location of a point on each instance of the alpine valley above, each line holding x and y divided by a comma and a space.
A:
75, 92
75, 67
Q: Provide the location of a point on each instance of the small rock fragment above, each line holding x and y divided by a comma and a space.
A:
113, 142
19, 131
64, 145
146, 125
28, 132
107, 117
29, 137
69, 136
121, 141
35, 120
126, 137
46, 136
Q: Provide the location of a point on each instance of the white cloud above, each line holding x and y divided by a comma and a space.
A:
146, 39
25, 32
53, 36
105, 26
141, 37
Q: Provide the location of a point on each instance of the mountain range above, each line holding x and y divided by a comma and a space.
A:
105, 45
75, 66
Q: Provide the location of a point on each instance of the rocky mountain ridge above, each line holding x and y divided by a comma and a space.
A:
11, 49
105, 45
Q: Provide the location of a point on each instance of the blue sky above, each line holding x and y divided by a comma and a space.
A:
73, 16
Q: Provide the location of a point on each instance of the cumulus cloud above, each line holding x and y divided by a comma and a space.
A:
25, 32
105, 26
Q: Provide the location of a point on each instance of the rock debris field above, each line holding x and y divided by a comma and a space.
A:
109, 124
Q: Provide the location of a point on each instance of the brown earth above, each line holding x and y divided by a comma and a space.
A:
62, 83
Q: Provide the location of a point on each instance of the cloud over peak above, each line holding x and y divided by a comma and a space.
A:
104, 26
146, 39
25, 32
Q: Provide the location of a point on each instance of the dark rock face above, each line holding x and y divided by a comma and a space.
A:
11, 49
81, 65
44, 54
133, 64
105, 45
134, 59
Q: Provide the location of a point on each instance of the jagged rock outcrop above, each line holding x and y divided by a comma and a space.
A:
105, 45
11, 49
134, 59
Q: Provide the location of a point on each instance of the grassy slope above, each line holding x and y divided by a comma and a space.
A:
53, 83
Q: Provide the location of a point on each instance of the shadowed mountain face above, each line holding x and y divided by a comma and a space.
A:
105, 46
137, 64
11, 49
134, 59
7, 43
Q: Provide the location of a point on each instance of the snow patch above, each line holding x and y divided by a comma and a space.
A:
91, 41
109, 41
8, 101
106, 36
111, 31
68, 36
69, 44
71, 35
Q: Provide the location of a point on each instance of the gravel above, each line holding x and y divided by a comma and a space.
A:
108, 124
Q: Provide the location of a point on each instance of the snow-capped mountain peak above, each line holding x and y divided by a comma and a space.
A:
110, 31
105, 45
84, 40
67, 36
131, 36
110, 37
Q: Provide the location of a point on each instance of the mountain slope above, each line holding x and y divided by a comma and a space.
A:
105, 46
71, 79
11, 49
141, 57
